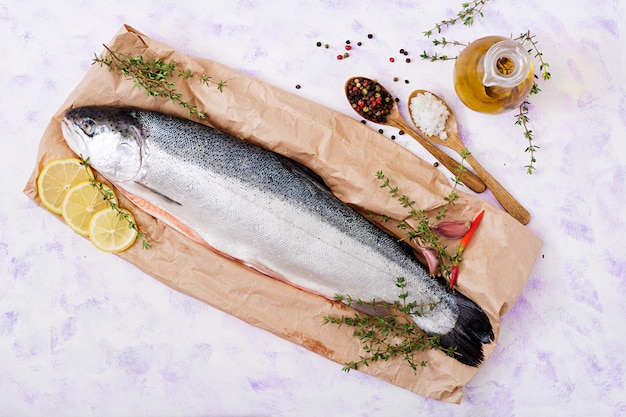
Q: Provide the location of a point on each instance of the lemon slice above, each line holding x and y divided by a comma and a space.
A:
111, 232
56, 179
81, 202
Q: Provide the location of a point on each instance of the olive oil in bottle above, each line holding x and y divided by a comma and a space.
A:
493, 74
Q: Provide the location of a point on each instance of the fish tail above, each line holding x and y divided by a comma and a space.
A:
471, 331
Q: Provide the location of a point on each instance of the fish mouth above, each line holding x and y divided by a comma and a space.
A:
73, 138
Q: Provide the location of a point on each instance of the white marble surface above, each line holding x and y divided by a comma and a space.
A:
84, 333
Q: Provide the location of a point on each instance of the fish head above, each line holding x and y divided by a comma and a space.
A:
111, 138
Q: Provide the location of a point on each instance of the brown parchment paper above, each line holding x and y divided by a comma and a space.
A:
347, 154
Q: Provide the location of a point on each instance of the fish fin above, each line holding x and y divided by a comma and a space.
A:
136, 193
303, 172
157, 194
471, 331
373, 310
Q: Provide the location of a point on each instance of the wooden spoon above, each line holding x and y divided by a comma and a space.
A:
453, 141
392, 117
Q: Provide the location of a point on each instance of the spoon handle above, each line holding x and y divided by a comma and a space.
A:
471, 180
508, 202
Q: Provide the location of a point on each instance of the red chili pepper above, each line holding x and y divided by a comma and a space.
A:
464, 242
470, 232
453, 275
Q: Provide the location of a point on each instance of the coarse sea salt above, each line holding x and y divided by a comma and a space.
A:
429, 114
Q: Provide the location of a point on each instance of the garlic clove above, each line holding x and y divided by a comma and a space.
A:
452, 230
432, 260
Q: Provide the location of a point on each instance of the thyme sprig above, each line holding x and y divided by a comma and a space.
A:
423, 233
388, 336
109, 198
522, 119
543, 65
155, 76
467, 14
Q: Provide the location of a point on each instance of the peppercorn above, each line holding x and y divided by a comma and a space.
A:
297, 86
395, 79
319, 44
380, 131
402, 51
370, 36
406, 81
408, 60
359, 43
348, 42
339, 57
391, 59
348, 47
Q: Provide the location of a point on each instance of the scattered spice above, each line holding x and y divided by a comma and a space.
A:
348, 45
369, 99
408, 60
370, 36
297, 86
392, 59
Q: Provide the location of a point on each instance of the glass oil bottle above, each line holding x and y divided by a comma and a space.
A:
493, 74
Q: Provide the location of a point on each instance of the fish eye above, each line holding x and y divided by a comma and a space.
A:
88, 126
